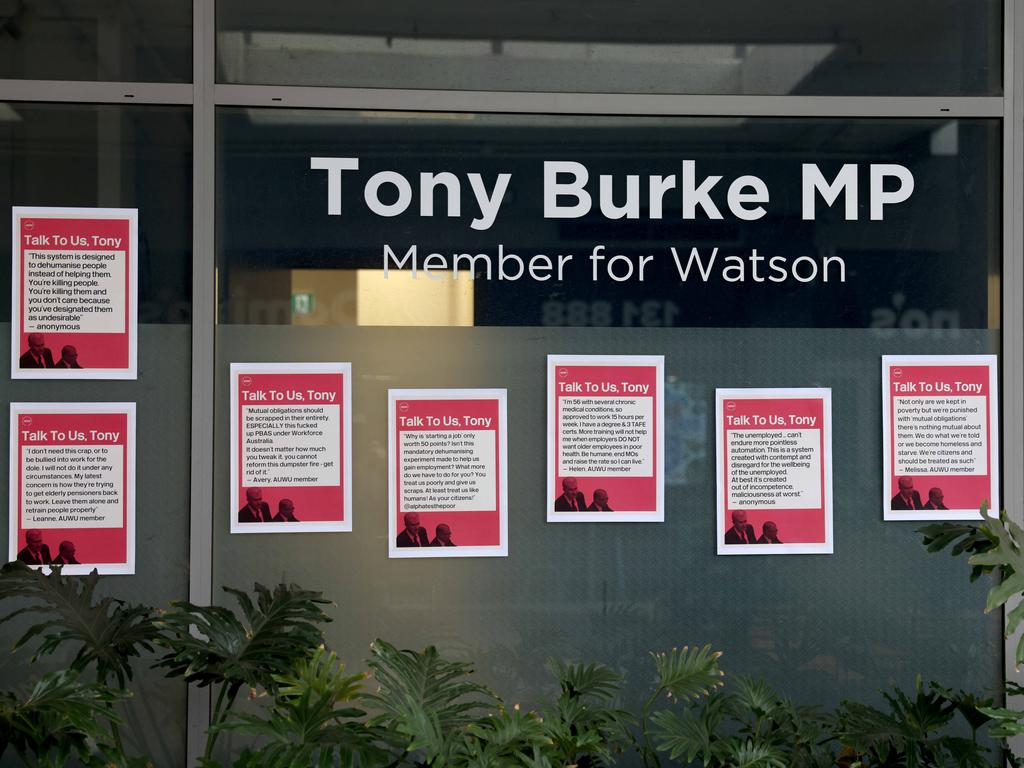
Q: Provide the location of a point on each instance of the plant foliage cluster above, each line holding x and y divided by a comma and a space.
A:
301, 707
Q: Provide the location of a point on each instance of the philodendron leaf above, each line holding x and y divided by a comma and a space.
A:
1008, 722
59, 719
687, 734
310, 722
736, 752
586, 680
688, 673
1006, 555
970, 538
213, 645
104, 632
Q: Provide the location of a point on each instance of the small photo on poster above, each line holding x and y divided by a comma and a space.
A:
72, 486
774, 471
74, 277
606, 456
291, 447
940, 436
447, 473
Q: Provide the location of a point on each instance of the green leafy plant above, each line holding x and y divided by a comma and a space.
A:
212, 646
962, 538
1007, 556
312, 720
104, 634
749, 726
995, 546
427, 711
582, 725
682, 674
426, 701
505, 739
914, 732
61, 719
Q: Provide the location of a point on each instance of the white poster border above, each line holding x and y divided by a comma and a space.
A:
773, 393
130, 373
14, 474
501, 550
618, 516
343, 526
992, 362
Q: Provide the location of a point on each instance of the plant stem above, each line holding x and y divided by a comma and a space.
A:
220, 711
115, 731
647, 751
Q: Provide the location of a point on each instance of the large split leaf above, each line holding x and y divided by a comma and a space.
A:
211, 645
1006, 555
425, 699
312, 721
583, 724
103, 632
59, 719
688, 673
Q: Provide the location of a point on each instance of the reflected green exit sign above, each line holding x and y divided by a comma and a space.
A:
303, 303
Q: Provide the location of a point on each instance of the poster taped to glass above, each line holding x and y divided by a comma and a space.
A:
72, 486
606, 456
447, 473
291, 447
940, 436
774, 470
74, 293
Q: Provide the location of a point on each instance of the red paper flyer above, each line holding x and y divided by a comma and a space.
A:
606, 416
72, 486
940, 436
291, 447
74, 293
774, 468
447, 473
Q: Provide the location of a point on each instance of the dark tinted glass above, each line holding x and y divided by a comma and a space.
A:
822, 47
299, 285
109, 156
133, 40
133, 157
932, 263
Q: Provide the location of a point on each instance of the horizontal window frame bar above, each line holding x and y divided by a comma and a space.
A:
525, 102
95, 92
401, 99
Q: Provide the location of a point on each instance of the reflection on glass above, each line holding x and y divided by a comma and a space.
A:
930, 267
615, 592
351, 297
686, 414
133, 40
822, 47
69, 155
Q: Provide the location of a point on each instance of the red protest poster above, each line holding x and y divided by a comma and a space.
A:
291, 447
74, 293
72, 486
774, 469
940, 436
447, 473
606, 438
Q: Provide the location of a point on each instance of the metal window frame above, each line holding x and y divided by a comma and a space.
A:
204, 95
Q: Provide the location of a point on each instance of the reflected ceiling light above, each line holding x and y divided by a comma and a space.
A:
720, 67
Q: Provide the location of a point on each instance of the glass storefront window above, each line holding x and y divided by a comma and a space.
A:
931, 265
132, 41
298, 284
904, 48
132, 157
